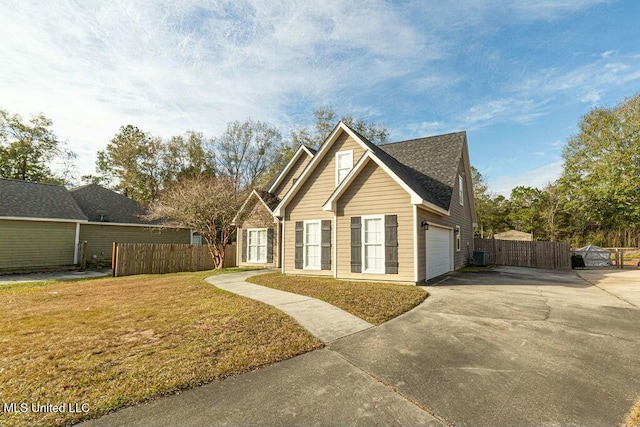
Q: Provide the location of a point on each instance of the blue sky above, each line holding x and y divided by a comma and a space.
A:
516, 75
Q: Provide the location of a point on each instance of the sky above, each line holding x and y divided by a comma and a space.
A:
516, 75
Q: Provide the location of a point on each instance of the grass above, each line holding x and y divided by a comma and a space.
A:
633, 417
476, 268
116, 342
372, 301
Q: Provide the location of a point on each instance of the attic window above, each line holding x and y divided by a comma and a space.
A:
344, 164
461, 190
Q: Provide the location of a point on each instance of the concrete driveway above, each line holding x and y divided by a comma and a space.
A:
506, 347
511, 347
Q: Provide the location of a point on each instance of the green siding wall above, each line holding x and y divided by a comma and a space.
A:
100, 238
36, 244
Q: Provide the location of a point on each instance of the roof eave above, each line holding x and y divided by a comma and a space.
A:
287, 168
432, 207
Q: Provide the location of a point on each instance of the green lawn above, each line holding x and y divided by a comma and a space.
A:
374, 302
115, 342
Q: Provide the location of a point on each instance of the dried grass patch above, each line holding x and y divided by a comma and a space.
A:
633, 417
116, 342
374, 302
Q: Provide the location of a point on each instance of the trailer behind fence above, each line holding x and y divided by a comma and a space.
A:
551, 255
150, 258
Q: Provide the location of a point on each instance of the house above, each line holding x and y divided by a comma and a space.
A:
39, 225
113, 217
259, 234
353, 210
42, 225
514, 235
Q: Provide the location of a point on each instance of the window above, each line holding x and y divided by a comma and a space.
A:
373, 244
257, 245
457, 233
344, 164
312, 245
461, 189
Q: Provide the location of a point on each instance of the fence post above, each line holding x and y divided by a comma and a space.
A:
83, 255
114, 259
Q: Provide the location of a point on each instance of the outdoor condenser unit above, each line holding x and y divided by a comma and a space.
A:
480, 258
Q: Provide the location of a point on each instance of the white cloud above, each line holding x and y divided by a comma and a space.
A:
538, 177
171, 66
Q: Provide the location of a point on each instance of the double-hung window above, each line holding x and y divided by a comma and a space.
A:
373, 244
344, 164
312, 245
257, 245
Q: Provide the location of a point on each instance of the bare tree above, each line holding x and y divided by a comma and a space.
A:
245, 151
205, 204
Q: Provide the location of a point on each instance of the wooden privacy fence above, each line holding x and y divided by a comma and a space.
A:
153, 258
551, 255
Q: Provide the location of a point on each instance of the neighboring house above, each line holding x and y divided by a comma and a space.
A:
39, 225
514, 235
42, 225
395, 212
116, 218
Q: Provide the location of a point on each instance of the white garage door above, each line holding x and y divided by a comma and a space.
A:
438, 251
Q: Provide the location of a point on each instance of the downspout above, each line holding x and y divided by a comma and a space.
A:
415, 243
284, 242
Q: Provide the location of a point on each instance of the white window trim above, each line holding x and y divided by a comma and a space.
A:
458, 239
461, 190
382, 243
249, 230
338, 154
304, 244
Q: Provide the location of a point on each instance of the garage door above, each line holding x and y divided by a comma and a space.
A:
438, 251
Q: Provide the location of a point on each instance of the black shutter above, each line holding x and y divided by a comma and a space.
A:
325, 249
299, 243
270, 244
356, 245
391, 244
245, 245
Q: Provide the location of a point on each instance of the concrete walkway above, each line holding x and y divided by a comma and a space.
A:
325, 321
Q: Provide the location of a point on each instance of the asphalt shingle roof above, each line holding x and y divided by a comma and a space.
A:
33, 200
269, 199
428, 165
103, 205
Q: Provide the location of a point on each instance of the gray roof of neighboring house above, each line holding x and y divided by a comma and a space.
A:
103, 205
428, 165
33, 200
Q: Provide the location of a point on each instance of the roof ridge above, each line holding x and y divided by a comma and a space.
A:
423, 137
32, 182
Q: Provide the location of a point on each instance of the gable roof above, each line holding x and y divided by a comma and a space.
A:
103, 205
425, 167
430, 164
22, 199
277, 180
269, 201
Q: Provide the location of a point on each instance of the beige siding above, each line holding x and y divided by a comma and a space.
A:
307, 203
294, 173
460, 215
259, 217
373, 192
100, 237
36, 244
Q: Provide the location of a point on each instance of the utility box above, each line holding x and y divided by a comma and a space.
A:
480, 258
